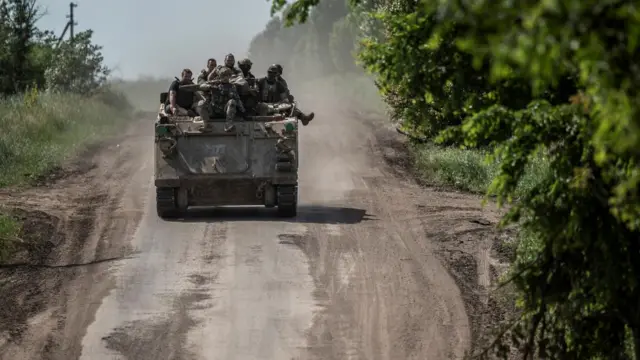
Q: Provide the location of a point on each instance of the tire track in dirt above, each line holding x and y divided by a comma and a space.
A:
465, 239
67, 248
399, 302
398, 272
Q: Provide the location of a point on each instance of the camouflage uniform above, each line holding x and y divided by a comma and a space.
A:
229, 63
225, 100
283, 81
245, 67
277, 68
249, 93
204, 75
216, 72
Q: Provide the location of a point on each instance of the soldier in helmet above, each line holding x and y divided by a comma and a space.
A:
284, 82
204, 74
280, 78
245, 67
271, 91
249, 92
225, 101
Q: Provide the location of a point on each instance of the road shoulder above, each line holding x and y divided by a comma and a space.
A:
69, 219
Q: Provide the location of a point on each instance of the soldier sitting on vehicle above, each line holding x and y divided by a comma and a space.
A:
272, 91
204, 74
249, 92
284, 82
180, 102
225, 101
245, 67
229, 63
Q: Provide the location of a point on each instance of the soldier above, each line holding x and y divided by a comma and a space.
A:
245, 67
180, 102
280, 78
224, 99
229, 63
272, 91
204, 74
284, 82
249, 92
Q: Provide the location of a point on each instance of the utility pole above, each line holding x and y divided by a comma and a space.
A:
70, 24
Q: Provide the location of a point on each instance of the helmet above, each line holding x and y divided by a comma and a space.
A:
245, 62
273, 68
279, 68
229, 56
224, 73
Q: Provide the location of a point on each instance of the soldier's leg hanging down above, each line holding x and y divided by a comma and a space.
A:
230, 111
203, 110
302, 117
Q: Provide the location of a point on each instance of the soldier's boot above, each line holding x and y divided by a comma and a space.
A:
305, 119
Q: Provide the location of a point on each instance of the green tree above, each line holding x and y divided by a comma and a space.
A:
18, 30
342, 45
31, 57
543, 78
303, 50
77, 66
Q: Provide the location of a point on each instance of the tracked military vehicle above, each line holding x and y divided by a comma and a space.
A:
198, 164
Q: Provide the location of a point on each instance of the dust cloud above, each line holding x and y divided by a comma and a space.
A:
147, 44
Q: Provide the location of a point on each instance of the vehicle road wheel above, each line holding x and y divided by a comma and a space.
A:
166, 205
287, 200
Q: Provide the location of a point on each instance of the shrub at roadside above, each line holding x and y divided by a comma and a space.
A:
40, 132
543, 78
467, 169
54, 100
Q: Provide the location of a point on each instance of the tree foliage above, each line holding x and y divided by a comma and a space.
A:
324, 45
31, 57
557, 79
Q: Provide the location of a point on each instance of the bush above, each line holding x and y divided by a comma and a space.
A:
41, 131
468, 169
557, 80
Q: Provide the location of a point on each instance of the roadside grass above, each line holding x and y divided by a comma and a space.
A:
41, 131
466, 170
470, 171
9, 230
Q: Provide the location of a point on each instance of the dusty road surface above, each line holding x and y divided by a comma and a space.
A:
373, 267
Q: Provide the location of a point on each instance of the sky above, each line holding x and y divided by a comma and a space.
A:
161, 37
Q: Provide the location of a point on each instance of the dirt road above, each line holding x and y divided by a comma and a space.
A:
373, 267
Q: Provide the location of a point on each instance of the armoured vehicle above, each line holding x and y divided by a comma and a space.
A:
198, 164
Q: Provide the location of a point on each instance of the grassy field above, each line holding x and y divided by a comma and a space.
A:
465, 170
41, 131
